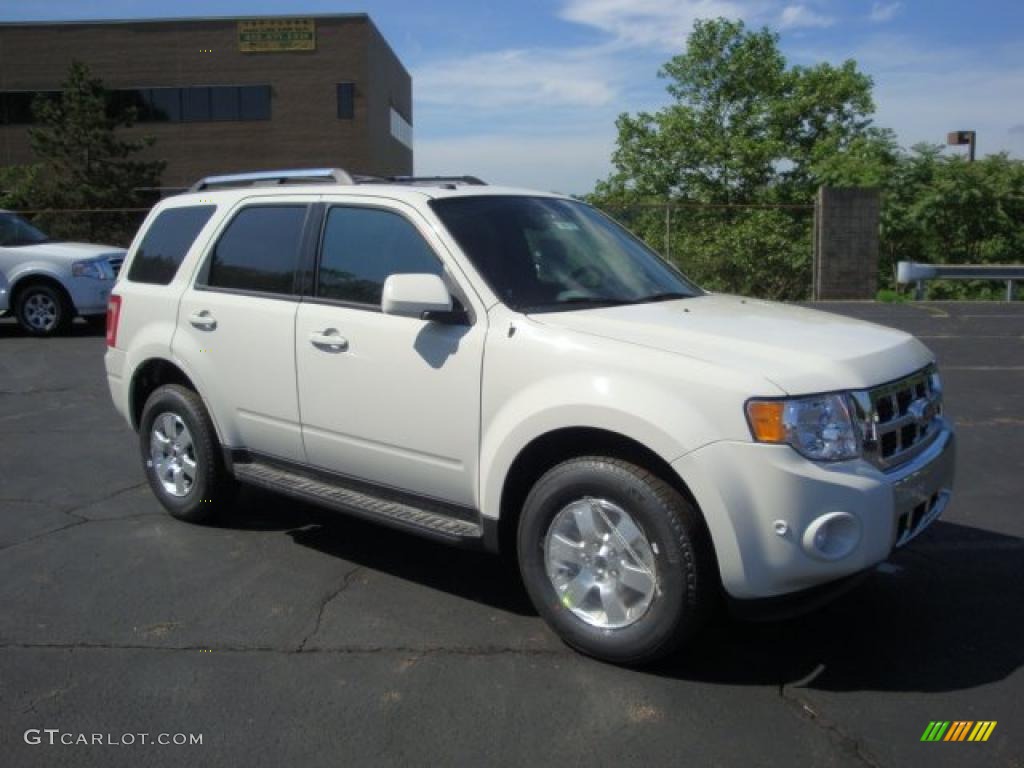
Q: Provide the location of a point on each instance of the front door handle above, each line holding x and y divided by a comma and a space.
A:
203, 320
329, 340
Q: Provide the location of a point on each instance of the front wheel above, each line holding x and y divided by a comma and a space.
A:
615, 560
42, 310
181, 455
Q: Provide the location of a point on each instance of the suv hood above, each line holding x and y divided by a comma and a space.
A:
800, 350
68, 252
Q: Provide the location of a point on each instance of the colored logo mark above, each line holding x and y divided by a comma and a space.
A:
958, 730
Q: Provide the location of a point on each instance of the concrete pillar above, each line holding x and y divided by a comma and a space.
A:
846, 243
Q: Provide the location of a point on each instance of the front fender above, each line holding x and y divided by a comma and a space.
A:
30, 269
636, 410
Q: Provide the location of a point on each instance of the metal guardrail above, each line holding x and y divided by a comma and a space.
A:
908, 272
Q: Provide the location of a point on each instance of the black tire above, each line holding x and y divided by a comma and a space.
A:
212, 488
684, 561
27, 305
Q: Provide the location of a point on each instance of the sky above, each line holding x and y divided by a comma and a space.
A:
527, 92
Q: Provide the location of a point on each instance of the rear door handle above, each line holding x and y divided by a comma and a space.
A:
329, 340
203, 320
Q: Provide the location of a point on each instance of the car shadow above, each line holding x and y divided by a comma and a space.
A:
478, 576
943, 614
9, 329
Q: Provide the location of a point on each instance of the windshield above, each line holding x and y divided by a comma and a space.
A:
542, 254
14, 230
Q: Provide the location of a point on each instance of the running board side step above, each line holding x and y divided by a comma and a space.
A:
434, 519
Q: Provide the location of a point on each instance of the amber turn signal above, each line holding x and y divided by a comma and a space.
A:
765, 418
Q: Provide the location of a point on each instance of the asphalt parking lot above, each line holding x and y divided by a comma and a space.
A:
286, 635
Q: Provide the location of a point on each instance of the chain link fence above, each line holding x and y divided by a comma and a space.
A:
754, 250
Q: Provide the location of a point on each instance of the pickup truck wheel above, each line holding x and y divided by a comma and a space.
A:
181, 455
42, 310
614, 559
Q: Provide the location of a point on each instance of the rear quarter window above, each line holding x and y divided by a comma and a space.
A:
165, 244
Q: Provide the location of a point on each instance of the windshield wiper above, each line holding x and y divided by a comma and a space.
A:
669, 296
576, 302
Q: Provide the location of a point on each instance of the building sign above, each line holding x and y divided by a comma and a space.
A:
276, 35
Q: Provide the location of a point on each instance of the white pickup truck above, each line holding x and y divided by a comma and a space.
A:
512, 370
44, 283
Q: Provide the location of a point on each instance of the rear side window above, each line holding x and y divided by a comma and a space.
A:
362, 247
166, 242
259, 250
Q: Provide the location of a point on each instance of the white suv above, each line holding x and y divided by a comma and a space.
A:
44, 283
512, 370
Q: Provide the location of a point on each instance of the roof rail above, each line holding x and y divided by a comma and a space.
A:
469, 180
323, 175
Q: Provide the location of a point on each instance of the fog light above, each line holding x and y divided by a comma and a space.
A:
832, 536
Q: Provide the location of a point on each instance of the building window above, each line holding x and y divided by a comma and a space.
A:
224, 103
16, 106
193, 104
254, 102
401, 128
346, 101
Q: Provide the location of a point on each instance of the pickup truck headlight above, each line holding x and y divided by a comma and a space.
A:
820, 427
92, 269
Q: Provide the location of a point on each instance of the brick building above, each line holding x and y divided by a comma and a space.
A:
226, 94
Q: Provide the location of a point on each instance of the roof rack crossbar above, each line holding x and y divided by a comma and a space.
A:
329, 175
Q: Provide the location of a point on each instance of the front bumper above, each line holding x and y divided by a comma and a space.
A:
89, 295
764, 503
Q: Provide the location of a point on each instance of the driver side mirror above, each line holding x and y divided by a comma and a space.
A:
422, 296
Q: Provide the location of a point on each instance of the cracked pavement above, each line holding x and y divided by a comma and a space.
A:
288, 635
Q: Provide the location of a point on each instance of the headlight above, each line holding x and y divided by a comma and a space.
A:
88, 269
819, 427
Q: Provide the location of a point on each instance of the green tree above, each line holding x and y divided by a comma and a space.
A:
743, 126
84, 159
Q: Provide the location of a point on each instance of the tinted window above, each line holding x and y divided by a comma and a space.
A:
254, 102
195, 105
362, 247
346, 100
16, 106
165, 104
259, 251
166, 243
224, 102
14, 231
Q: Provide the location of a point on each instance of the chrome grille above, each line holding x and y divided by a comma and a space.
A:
900, 419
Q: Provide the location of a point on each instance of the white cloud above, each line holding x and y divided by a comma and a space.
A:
800, 16
661, 23
560, 163
884, 11
923, 92
517, 78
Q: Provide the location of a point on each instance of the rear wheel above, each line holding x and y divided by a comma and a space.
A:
181, 455
614, 559
43, 310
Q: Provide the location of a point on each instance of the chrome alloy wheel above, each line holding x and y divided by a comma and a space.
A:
172, 454
600, 563
40, 311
